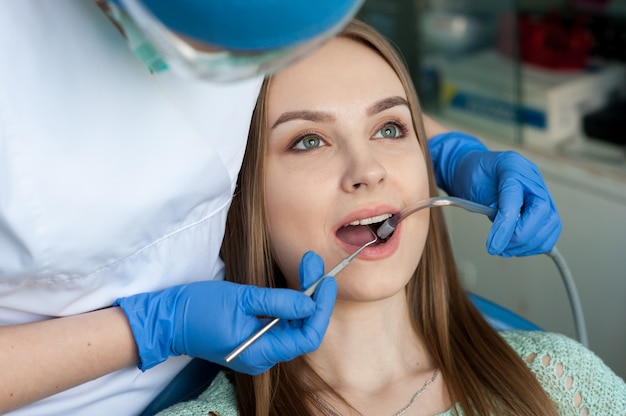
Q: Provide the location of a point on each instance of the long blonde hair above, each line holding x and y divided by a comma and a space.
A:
481, 371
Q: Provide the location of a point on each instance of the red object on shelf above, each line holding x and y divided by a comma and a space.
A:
549, 41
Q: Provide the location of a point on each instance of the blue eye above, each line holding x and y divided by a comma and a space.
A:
388, 131
308, 142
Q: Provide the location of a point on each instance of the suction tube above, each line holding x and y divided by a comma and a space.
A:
388, 227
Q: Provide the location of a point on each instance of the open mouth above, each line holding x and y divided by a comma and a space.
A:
362, 231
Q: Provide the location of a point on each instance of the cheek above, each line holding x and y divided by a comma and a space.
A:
292, 204
280, 211
412, 177
415, 226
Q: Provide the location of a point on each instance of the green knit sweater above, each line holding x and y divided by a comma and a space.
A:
576, 380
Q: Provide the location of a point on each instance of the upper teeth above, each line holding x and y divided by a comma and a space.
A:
372, 220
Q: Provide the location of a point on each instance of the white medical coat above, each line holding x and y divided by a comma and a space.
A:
113, 181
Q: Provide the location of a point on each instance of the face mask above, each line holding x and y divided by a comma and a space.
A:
160, 48
137, 41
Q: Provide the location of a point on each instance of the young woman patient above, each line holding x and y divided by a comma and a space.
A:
337, 143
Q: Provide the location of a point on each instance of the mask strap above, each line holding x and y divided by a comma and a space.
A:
136, 40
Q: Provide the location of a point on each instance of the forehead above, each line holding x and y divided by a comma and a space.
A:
340, 75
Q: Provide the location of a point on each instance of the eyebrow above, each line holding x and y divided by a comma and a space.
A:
324, 117
316, 116
385, 104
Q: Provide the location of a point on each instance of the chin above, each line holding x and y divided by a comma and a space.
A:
371, 286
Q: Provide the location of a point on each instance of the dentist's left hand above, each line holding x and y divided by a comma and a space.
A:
211, 318
527, 221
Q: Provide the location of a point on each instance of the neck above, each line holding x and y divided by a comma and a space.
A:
373, 358
370, 346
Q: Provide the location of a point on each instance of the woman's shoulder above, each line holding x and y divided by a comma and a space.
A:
574, 376
219, 399
533, 342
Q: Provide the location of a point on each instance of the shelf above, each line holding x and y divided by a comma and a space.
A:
595, 167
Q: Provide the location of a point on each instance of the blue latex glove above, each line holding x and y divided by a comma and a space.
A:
211, 318
527, 221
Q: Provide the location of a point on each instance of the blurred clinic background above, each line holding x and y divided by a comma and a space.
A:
547, 79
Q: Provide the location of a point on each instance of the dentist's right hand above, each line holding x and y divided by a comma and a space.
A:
209, 319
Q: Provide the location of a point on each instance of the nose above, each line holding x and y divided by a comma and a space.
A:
363, 170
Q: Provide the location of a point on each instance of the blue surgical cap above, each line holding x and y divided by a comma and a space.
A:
251, 25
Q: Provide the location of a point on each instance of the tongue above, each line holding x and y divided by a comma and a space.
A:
356, 235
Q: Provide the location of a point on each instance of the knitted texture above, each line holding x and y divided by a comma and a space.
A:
577, 380
218, 399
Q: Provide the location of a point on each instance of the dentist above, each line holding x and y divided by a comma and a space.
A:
119, 155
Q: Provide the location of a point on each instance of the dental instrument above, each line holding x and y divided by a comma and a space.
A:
388, 227
309, 292
390, 224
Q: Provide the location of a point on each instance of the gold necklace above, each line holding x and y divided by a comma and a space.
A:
328, 409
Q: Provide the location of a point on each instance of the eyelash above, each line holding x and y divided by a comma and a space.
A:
300, 137
402, 127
